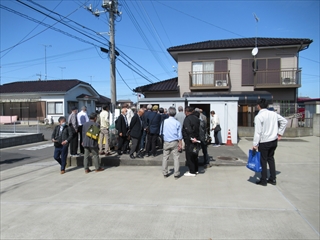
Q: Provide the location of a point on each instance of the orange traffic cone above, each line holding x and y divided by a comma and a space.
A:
229, 142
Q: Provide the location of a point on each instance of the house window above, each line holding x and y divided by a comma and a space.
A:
204, 73
55, 108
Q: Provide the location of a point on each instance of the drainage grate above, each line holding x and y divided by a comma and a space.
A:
227, 158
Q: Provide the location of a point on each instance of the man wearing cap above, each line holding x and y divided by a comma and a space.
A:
90, 146
82, 119
73, 124
153, 123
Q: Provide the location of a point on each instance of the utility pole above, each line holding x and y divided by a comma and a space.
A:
110, 6
45, 60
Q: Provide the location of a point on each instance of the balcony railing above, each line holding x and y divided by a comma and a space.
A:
209, 80
278, 79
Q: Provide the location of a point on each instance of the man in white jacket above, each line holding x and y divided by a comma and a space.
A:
268, 129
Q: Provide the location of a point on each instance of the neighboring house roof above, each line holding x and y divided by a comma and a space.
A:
166, 85
241, 43
128, 100
103, 100
40, 86
84, 96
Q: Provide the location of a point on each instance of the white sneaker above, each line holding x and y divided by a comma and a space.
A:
188, 174
216, 145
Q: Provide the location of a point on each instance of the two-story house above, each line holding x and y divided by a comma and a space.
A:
247, 68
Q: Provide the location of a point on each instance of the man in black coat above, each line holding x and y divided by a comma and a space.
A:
136, 128
61, 136
190, 130
153, 123
144, 122
122, 127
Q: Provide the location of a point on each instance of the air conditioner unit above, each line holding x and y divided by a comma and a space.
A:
286, 81
221, 83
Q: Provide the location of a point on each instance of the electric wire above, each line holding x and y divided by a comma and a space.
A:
28, 33
157, 37
124, 80
142, 34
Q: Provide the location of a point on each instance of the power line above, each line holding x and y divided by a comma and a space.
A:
142, 34
28, 33
123, 80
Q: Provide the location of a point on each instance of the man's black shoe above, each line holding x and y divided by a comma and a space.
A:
119, 153
125, 152
273, 182
261, 183
166, 176
176, 177
139, 156
131, 156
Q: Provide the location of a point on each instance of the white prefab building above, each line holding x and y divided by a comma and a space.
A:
225, 107
39, 100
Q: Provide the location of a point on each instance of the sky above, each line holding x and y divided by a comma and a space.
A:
144, 31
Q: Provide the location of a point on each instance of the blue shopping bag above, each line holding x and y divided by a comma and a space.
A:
254, 161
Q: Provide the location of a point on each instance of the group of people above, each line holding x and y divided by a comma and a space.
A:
153, 127
73, 135
183, 130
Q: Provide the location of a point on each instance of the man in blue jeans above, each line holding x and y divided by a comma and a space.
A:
61, 136
268, 129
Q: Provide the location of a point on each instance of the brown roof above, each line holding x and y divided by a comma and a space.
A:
167, 85
241, 43
40, 86
103, 99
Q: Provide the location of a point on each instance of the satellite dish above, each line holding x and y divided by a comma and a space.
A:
254, 51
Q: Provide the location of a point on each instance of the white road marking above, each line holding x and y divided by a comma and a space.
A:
38, 147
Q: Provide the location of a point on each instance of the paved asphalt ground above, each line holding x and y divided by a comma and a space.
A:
136, 202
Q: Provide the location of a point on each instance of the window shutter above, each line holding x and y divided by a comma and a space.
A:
221, 69
273, 67
247, 72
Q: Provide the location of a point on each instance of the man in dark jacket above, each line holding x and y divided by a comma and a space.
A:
136, 129
61, 136
90, 145
123, 127
73, 124
153, 122
202, 136
144, 122
190, 134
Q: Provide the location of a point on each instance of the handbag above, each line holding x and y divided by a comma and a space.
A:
217, 128
93, 132
194, 148
254, 161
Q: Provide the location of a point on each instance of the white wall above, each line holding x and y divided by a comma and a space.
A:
228, 115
